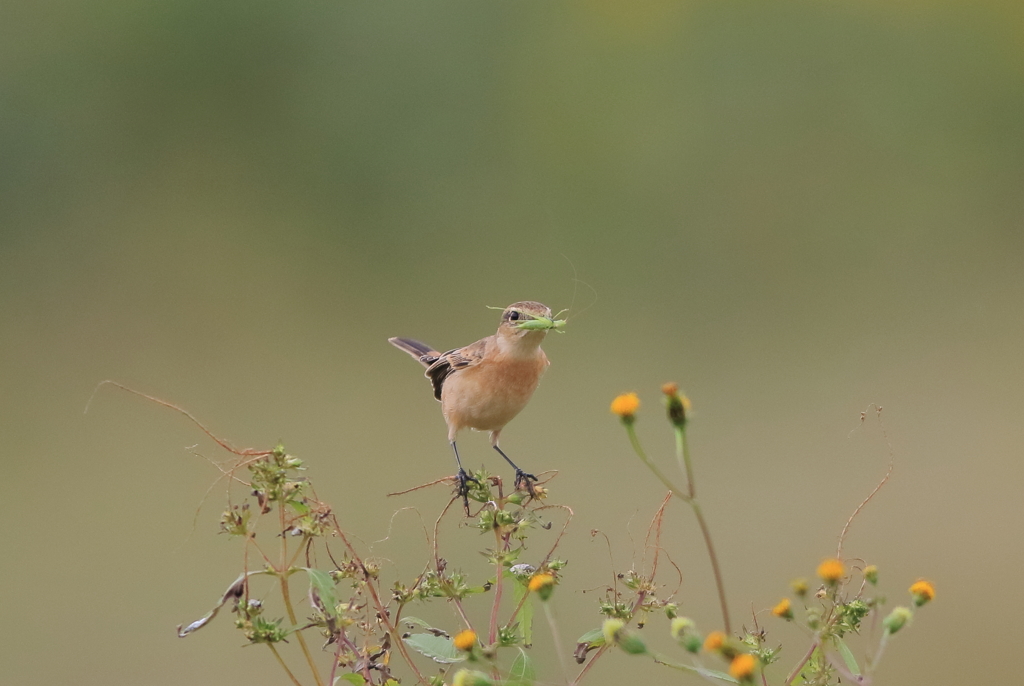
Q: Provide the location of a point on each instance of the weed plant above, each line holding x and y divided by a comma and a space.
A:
358, 628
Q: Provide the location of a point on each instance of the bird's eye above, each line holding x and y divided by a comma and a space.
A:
513, 315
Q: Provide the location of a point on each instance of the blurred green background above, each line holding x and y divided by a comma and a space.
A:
794, 209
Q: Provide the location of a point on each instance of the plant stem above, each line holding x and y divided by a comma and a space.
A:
282, 577
382, 612
683, 455
800, 665
337, 656
492, 628
873, 663
586, 668
557, 638
280, 661
719, 583
639, 450
286, 594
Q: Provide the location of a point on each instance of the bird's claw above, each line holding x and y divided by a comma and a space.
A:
523, 477
462, 480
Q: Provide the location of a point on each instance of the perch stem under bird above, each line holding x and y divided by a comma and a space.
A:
484, 385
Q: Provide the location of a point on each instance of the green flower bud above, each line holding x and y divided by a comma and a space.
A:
611, 628
631, 643
896, 619
615, 632
467, 677
680, 626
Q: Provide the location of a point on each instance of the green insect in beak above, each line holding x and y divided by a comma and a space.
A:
543, 324
537, 323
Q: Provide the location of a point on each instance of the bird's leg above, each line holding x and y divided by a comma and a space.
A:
463, 479
521, 476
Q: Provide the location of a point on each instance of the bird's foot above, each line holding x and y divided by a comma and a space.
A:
462, 480
522, 478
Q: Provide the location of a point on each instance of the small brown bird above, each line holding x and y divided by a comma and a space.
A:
484, 385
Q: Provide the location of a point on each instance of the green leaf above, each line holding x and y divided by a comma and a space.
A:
324, 585
521, 673
593, 638
848, 658
525, 616
714, 674
354, 679
300, 507
416, 621
437, 648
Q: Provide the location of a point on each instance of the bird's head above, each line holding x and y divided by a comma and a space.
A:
528, 321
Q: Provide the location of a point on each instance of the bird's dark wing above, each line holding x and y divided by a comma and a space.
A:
452, 361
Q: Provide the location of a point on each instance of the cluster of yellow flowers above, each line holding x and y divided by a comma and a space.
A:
833, 572
627, 404
742, 666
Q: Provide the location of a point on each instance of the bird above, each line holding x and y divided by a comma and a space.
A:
484, 385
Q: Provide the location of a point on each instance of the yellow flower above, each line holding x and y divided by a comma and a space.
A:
923, 591
783, 609
799, 586
871, 574
465, 640
743, 666
670, 388
542, 585
714, 642
831, 570
626, 405
539, 581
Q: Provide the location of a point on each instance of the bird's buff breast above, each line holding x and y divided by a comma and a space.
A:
487, 397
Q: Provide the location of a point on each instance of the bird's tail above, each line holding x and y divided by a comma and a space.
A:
423, 353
